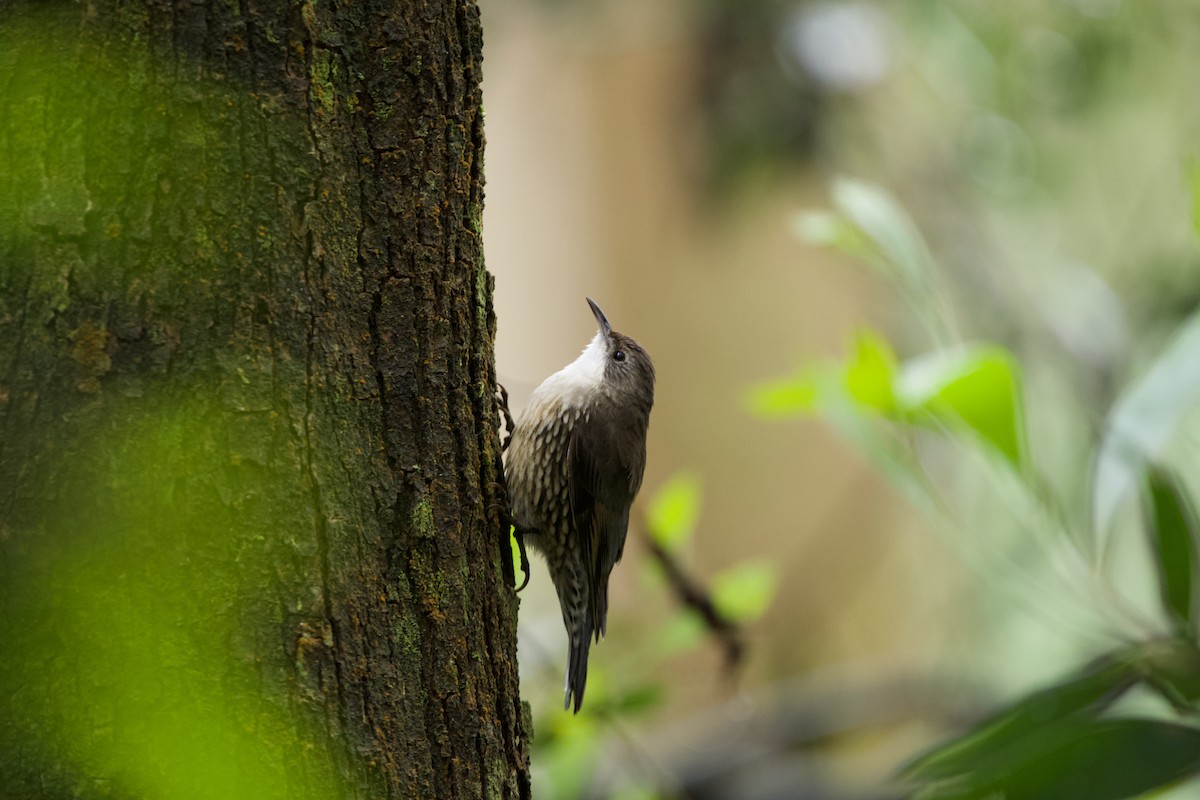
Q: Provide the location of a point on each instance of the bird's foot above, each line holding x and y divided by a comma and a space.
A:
519, 535
509, 425
503, 510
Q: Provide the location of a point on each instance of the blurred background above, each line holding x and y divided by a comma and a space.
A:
660, 157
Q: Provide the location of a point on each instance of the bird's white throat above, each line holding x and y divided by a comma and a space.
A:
574, 381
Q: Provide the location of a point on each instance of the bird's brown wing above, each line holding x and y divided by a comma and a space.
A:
605, 474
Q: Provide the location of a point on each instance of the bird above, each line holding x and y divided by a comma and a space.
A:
573, 466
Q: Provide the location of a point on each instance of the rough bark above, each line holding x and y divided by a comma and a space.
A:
248, 539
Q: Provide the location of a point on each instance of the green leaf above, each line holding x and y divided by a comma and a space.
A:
675, 510
1172, 668
1171, 524
744, 591
639, 699
869, 375
988, 742
976, 386
1082, 759
893, 233
684, 632
1143, 421
783, 398
866, 378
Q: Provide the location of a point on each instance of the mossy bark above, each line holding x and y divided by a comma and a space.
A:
248, 455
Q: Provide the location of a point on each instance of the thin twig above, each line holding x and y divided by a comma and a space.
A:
695, 596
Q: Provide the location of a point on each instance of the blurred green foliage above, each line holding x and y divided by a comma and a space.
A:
674, 511
973, 387
743, 592
1066, 741
869, 224
131, 623
1051, 372
1144, 421
1171, 522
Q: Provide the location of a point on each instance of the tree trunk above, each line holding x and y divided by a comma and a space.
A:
249, 544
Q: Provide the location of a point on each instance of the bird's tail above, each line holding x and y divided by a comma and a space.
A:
577, 619
577, 664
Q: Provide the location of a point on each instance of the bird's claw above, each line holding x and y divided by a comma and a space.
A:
504, 508
509, 425
504, 511
519, 535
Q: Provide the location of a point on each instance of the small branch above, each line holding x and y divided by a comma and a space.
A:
691, 594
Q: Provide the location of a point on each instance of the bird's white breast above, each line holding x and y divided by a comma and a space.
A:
536, 460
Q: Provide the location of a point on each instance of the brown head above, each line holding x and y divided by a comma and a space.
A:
628, 375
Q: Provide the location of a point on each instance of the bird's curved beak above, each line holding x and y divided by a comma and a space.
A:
601, 320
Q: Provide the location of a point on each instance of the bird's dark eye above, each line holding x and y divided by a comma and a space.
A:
619, 355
